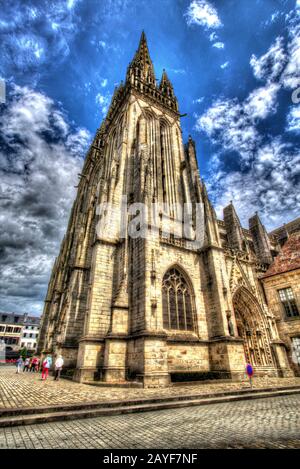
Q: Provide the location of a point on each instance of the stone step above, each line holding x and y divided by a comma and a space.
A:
103, 384
80, 411
138, 401
118, 403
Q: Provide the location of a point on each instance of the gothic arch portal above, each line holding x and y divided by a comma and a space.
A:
253, 328
178, 302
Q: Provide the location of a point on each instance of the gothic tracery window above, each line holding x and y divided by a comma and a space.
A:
177, 302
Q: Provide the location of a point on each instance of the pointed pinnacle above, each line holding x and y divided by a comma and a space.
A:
143, 42
165, 80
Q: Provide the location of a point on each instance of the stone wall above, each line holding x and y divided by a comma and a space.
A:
287, 327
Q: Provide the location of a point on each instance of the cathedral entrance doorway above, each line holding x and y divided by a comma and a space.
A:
253, 329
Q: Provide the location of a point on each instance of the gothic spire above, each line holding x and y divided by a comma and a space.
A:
165, 82
143, 50
141, 77
166, 88
235, 235
211, 224
260, 239
142, 63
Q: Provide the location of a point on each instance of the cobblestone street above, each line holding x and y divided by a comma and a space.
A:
262, 423
27, 389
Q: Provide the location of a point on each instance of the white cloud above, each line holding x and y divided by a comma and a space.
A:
265, 173
178, 71
103, 101
199, 100
226, 123
291, 74
219, 45
281, 63
273, 18
203, 13
270, 65
224, 65
39, 160
262, 101
293, 119
271, 186
30, 37
71, 4
232, 124
104, 82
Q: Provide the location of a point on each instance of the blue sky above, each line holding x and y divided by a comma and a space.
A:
234, 65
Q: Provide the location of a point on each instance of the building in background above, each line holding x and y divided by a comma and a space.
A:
30, 332
282, 289
11, 327
18, 331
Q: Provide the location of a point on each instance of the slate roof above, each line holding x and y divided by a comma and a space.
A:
288, 259
21, 319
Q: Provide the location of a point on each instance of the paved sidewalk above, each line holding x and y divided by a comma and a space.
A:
262, 423
28, 390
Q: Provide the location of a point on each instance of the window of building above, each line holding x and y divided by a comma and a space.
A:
289, 303
177, 302
296, 350
11, 340
2, 328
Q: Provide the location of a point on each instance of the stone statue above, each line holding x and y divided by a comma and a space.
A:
230, 324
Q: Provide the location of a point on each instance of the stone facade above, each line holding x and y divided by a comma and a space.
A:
282, 289
165, 306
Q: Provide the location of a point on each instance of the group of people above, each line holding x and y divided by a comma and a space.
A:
31, 364
34, 364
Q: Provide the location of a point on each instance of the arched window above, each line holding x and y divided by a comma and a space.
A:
177, 302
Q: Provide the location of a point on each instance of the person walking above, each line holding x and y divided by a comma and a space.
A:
19, 364
59, 362
249, 372
26, 364
37, 364
33, 365
46, 365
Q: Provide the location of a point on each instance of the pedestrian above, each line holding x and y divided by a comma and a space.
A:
46, 365
249, 371
59, 362
37, 364
26, 364
19, 364
33, 364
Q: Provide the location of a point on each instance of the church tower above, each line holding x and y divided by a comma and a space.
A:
140, 290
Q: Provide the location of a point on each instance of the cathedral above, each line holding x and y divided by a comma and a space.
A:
127, 304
